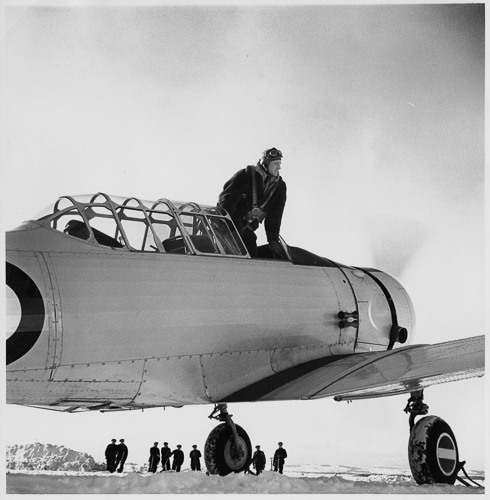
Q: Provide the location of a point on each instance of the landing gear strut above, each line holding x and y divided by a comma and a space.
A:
228, 448
415, 406
432, 449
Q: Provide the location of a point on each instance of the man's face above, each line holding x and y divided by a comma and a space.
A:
274, 167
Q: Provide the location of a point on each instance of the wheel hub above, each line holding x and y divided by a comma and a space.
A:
446, 454
235, 457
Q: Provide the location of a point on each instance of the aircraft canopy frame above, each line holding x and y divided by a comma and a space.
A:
135, 225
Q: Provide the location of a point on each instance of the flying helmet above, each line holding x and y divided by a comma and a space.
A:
270, 155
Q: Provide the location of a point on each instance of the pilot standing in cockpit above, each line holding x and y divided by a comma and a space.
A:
254, 195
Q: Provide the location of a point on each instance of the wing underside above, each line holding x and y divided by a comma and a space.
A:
371, 375
356, 376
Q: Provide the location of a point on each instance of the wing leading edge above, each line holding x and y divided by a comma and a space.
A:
370, 375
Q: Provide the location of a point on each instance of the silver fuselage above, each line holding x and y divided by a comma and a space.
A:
155, 329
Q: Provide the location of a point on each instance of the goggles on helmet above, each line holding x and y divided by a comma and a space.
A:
272, 154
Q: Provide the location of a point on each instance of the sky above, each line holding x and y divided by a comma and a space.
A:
379, 113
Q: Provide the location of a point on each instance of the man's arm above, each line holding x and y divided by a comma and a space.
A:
274, 214
233, 191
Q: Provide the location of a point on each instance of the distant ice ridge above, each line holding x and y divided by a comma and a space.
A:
39, 456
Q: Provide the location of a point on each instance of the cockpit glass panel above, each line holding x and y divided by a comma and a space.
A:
198, 230
227, 235
161, 206
99, 198
164, 225
189, 207
210, 210
104, 226
130, 213
62, 204
61, 222
137, 230
132, 202
168, 231
161, 217
101, 225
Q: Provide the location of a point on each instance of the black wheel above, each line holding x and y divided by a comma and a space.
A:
220, 453
433, 452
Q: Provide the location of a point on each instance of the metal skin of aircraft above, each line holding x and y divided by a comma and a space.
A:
118, 303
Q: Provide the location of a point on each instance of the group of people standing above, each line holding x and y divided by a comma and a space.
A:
259, 460
115, 455
164, 455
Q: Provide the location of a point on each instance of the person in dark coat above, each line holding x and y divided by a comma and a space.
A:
258, 460
178, 455
110, 455
195, 456
166, 452
154, 459
122, 454
279, 457
237, 199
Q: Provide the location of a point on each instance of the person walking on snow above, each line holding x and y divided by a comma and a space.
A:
154, 459
195, 456
166, 452
178, 455
279, 458
122, 454
110, 455
258, 460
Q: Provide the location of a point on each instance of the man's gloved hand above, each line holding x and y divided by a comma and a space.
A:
277, 249
256, 214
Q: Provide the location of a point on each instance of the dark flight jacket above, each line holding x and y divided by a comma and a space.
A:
122, 452
237, 199
178, 456
259, 460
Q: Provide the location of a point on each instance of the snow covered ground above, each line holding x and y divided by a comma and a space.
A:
49, 469
188, 482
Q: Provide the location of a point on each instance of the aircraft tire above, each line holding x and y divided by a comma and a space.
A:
433, 452
219, 450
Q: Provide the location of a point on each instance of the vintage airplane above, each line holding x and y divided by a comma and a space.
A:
130, 304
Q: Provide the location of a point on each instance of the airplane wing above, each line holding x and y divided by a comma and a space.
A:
370, 375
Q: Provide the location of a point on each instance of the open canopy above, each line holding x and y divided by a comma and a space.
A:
146, 226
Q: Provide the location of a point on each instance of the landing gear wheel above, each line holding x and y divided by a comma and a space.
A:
433, 452
220, 453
